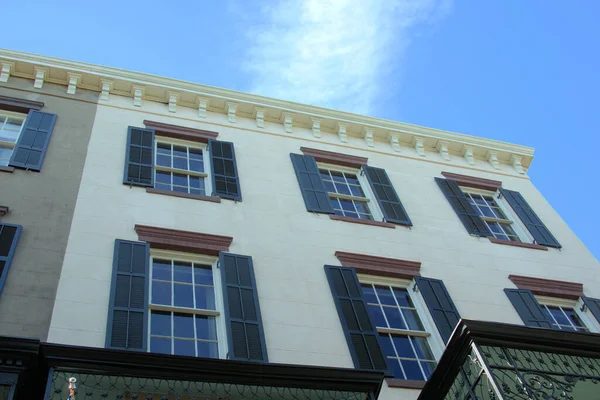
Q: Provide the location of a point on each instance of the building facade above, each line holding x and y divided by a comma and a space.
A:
269, 245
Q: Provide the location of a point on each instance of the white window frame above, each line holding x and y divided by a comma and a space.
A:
218, 313
9, 114
577, 305
371, 200
430, 332
515, 221
206, 175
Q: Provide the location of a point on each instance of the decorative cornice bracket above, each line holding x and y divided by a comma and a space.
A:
173, 98
419, 144
369, 137
394, 141
442, 148
5, 70
138, 94
202, 106
231, 109
516, 162
341, 131
288, 121
468, 155
40, 75
316, 127
73, 80
260, 116
492, 157
107, 86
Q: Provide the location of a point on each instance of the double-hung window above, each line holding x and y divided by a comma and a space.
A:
403, 337
181, 166
185, 305
348, 193
496, 215
11, 125
563, 314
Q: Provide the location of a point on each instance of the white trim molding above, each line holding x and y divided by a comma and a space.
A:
73, 80
394, 141
492, 157
173, 98
418, 143
146, 87
469, 155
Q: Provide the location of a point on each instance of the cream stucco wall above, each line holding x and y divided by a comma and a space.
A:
289, 246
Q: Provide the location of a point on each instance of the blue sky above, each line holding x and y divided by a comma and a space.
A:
520, 71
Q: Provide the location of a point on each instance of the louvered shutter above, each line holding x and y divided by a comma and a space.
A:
139, 158
465, 211
440, 305
128, 305
242, 311
9, 236
225, 179
527, 307
31, 147
532, 222
360, 331
593, 305
312, 188
389, 202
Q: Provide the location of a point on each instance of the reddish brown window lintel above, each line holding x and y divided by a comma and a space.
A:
181, 132
335, 158
381, 266
192, 242
548, 287
474, 182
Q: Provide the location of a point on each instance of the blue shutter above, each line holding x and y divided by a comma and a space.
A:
312, 188
31, 147
139, 157
389, 202
225, 178
128, 306
593, 305
360, 332
527, 307
534, 225
9, 236
465, 211
245, 332
440, 305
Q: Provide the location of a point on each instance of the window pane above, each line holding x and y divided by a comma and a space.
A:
197, 165
394, 318
163, 148
163, 160
412, 370
180, 163
161, 293
160, 323
347, 205
369, 293
160, 345
180, 180
337, 176
182, 272
396, 369
329, 186
558, 315
402, 297
180, 151
422, 348
428, 367
352, 179
183, 326
203, 275
183, 295
163, 177
208, 350
386, 345
385, 295
196, 154
206, 328
403, 347
5, 155
412, 319
161, 269
205, 297
377, 316
362, 207
573, 317
342, 188
357, 191
185, 348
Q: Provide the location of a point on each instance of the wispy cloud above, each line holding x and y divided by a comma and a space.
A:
336, 53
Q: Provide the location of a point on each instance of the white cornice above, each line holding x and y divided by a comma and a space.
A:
156, 88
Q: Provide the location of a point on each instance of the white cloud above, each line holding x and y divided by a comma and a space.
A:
335, 53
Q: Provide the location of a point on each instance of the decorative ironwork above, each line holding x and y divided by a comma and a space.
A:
501, 373
105, 387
